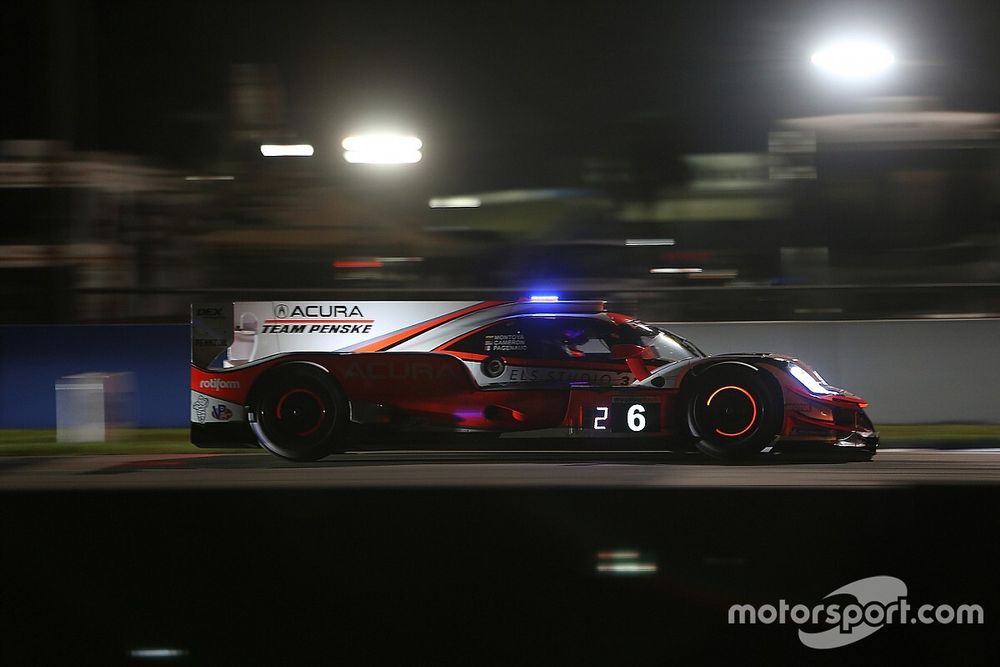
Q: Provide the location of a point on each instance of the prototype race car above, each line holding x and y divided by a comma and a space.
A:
305, 380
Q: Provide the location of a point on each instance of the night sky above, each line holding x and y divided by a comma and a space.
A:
502, 82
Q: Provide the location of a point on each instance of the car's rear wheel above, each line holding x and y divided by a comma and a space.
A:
297, 412
733, 410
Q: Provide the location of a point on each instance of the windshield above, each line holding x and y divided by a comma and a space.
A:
667, 346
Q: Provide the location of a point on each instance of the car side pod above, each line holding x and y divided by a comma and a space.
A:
633, 356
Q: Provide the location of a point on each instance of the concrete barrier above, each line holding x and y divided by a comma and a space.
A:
912, 371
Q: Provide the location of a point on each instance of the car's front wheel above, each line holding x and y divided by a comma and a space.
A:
297, 412
733, 410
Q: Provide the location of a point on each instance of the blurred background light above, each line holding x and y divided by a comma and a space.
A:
625, 562
286, 150
382, 149
675, 270
853, 58
455, 202
157, 653
646, 242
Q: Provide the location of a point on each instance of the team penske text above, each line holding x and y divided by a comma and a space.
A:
317, 328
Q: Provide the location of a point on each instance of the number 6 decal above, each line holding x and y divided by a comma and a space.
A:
636, 420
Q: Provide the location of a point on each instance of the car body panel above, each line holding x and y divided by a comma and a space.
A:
424, 366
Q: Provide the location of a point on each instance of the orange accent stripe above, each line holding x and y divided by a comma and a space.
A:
753, 404
468, 356
319, 321
425, 326
458, 339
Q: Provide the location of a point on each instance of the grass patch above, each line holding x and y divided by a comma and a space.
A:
42, 442
938, 432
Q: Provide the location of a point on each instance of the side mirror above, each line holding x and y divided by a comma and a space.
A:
624, 351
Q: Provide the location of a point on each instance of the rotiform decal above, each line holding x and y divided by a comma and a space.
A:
218, 383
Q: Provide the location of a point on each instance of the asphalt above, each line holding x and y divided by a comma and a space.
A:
531, 469
458, 558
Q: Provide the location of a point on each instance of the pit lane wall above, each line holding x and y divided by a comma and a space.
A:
912, 371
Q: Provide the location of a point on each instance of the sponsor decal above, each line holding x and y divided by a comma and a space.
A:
209, 312
856, 610
505, 343
210, 342
528, 374
317, 328
200, 408
319, 318
219, 383
312, 311
221, 412
400, 370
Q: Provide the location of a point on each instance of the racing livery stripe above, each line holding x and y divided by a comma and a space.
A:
392, 339
467, 356
457, 339
298, 321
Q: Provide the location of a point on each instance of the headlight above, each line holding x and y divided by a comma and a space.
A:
807, 380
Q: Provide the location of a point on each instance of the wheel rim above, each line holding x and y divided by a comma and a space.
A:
730, 412
299, 412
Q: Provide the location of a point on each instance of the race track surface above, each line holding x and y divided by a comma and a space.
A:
483, 559
483, 469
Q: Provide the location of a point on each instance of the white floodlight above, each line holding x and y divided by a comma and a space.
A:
382, 149
853, 59
286, 150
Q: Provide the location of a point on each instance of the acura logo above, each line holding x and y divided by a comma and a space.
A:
281, 311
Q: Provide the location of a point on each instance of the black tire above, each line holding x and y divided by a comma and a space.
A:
297, 412
733, 410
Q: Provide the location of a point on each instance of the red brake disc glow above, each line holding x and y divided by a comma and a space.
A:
753, 405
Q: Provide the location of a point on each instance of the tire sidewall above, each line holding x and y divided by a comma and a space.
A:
318, 391
766, 397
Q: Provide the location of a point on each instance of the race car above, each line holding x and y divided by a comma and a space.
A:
304, 380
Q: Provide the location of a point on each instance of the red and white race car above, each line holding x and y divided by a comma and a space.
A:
307, 379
